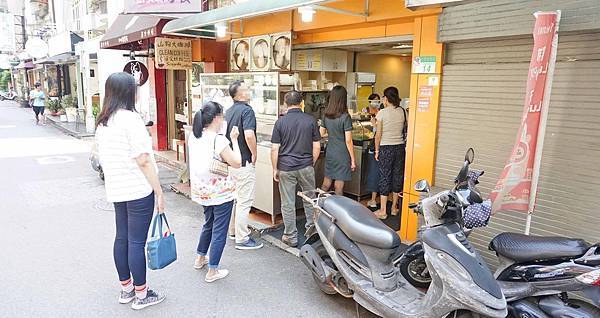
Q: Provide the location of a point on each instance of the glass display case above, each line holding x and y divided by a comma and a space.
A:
264, 89
362, 129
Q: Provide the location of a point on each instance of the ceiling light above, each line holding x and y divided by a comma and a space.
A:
306, 13
402, 46
221, 30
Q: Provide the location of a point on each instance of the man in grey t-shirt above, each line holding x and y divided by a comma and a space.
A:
296, 147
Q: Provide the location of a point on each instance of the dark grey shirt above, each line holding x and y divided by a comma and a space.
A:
295, 132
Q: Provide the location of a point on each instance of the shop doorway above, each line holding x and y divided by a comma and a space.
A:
372, 66
177, 109
390, 66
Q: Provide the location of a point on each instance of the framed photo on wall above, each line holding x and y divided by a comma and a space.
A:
281, 51
260, 51
240, 55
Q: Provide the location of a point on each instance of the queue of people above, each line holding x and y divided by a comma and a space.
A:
222, 154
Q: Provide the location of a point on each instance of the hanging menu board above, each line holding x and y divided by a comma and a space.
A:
173, 54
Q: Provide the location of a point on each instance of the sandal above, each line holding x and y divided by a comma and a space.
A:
221, 273
200, 265
379, 215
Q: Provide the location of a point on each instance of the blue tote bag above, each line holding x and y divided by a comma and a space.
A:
161, 249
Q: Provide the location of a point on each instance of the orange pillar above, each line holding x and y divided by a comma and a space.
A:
422, 119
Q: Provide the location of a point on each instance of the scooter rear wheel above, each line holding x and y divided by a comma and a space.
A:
322, 252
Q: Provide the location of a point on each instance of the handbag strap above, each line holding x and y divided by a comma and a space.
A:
215, 148
158, 223
405, 128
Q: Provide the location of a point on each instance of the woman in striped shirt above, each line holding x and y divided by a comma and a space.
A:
131, 182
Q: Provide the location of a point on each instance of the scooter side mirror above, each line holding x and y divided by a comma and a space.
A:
422, 186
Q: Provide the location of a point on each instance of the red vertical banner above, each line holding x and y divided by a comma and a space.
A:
516, 189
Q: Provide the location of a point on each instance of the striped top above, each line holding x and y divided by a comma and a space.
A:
122, 140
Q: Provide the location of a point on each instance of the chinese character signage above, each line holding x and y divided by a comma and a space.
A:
423, 65
162, 6
173, 54
516, 189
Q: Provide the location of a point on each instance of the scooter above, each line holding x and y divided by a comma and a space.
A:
350, 252
10, 95
535, 274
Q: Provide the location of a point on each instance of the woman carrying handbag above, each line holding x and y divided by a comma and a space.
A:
212, 186
131, 182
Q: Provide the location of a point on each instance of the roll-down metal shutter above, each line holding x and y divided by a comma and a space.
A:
482, 96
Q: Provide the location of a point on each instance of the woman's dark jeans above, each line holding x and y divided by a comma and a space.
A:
133, 221
214, 232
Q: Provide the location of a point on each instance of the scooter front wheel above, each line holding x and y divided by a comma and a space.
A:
415, 271
322, 252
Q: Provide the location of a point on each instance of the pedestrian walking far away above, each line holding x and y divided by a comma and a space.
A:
295, 150
37, 99
132, 184
241, 115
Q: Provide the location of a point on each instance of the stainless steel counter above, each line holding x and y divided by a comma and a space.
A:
357, 186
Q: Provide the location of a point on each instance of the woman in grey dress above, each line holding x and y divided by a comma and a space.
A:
339, 156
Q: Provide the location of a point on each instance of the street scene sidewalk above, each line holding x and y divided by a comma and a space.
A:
384, 113
59, 230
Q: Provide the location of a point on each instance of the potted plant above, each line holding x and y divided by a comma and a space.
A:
95, 110
54, 107
69, 103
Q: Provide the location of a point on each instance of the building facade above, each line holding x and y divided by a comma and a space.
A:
488, 49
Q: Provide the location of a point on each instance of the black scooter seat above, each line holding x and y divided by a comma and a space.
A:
359, 223
525, 248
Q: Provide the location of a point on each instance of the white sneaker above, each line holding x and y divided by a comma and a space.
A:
221, 273
372, 204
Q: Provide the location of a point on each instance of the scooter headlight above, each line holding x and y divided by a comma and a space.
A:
454, 265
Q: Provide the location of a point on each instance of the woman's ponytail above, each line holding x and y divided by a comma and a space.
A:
197, 126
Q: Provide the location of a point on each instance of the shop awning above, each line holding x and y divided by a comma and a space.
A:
25, 65
58, 59
202, 24
130, 28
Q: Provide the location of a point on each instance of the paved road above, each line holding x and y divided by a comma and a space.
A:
56, 246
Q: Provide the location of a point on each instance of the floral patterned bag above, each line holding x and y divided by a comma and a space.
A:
217, 166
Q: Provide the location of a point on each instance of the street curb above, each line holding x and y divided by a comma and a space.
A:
56, 124
279, 244
258, 228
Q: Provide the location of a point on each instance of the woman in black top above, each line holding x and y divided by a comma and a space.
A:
339, 157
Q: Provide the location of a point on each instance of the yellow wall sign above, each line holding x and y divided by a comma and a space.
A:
173, 54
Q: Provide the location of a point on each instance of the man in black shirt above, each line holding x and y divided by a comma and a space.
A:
295, 150
242, 115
